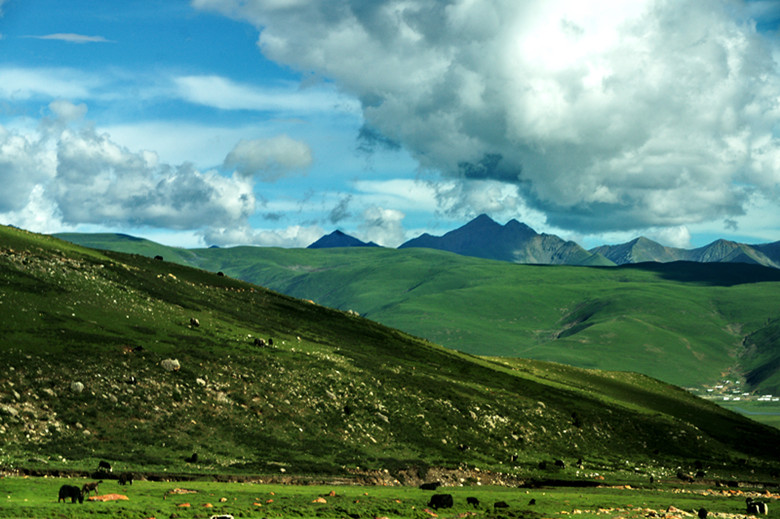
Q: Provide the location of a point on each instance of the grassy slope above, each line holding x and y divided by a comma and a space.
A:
688, 324
349, 392
682, 323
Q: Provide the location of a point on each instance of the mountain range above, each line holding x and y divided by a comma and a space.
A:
516, 242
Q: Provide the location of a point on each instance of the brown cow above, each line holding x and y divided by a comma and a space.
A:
90, 487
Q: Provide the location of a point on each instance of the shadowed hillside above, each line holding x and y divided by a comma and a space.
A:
89, 338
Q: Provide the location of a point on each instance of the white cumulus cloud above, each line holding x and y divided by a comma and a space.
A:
603, 115
382, 226
293, 236
68, 174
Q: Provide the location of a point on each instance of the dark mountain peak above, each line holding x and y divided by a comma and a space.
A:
519, 227
339, 239
482, 237
482, 221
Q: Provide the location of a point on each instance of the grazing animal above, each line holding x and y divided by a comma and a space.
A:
440, 501
221, 274
158, 258
684, 477
90, 487
756, 507
473, 501
71, 492
194, 322
560, 463
104, 466
532, 501
193, 458
500, 504
703, 513
259, 342
223, 516
430, 486
126, 477
270, 342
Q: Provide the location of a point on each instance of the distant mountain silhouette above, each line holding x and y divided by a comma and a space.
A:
515, 242
720, 251
638, 250
339, 239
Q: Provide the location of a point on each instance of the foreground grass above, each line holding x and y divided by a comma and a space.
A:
37, 498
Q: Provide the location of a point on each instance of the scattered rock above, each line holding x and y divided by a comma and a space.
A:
170, 365
8, 410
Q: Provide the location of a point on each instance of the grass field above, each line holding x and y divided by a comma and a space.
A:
36, 498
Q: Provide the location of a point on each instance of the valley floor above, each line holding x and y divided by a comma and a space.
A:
37, 498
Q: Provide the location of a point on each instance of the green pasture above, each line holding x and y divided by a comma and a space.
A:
683, 323
35, 498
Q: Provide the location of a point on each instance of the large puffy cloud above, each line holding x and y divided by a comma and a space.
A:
99, 181
382, 226
84, 177
24, 163
606, 116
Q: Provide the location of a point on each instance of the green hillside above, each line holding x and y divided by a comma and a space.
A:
84, 336
689, 324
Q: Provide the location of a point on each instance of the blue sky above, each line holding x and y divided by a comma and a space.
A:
273, 122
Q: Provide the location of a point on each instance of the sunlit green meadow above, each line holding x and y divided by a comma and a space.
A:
37, 498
